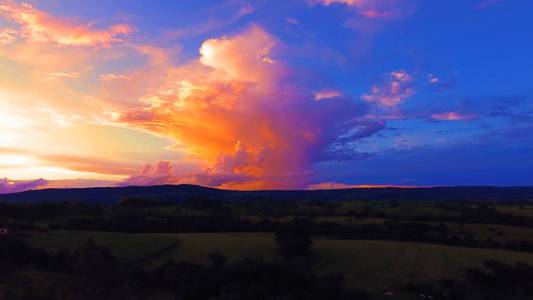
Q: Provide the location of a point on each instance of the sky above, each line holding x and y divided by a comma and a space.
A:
259, 94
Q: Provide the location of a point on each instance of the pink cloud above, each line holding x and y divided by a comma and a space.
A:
397, 89
249, 65
374, 14
68, 75
14, 186
450, 116
111, 76
327, 94
78, 183
433, 79
371, 9
246, 10
161, 173
7, 35
42, 27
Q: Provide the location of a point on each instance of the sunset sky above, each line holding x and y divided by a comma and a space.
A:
280, 94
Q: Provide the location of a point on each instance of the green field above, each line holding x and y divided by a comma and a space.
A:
127, 247
375, 266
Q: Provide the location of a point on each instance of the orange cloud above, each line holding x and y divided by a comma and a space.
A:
397, 89
239, 113
42, 27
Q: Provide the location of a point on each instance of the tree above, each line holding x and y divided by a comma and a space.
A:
294, 240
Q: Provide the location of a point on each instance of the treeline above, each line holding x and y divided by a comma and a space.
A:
135, 216
473, 213
390, 230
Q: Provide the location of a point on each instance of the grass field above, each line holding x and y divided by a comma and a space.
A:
375, 266
383, 264
500, 233
523, 210
127, 247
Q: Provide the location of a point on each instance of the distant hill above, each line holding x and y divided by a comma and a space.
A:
179, 193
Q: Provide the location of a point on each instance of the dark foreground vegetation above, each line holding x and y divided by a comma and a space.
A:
204, 247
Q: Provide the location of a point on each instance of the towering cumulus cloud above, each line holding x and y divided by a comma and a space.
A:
236, 109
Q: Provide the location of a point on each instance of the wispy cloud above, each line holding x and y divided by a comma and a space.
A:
112, 76
213, 22
371, 9
39, 26
7, 35
450, 116
327, 94
488, 3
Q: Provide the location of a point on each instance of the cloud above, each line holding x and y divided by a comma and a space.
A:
487, 3
213, 20
161, 173
433, 79
252, 65
69, 75
292, 21
397, 89
78, 183
42, 27
337, 185
445, 164
111, 76
371, 9
7, 35
450, 116
89, 164
14, 186
327, 94
8, 186
243, 115
246, 10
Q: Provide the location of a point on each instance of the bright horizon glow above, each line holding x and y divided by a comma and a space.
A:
262, 95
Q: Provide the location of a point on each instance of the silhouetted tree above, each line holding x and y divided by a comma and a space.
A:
294, 240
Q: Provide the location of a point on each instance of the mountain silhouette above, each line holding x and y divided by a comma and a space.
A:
179, 193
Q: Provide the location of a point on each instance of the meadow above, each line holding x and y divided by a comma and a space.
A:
373, 266
305, 249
